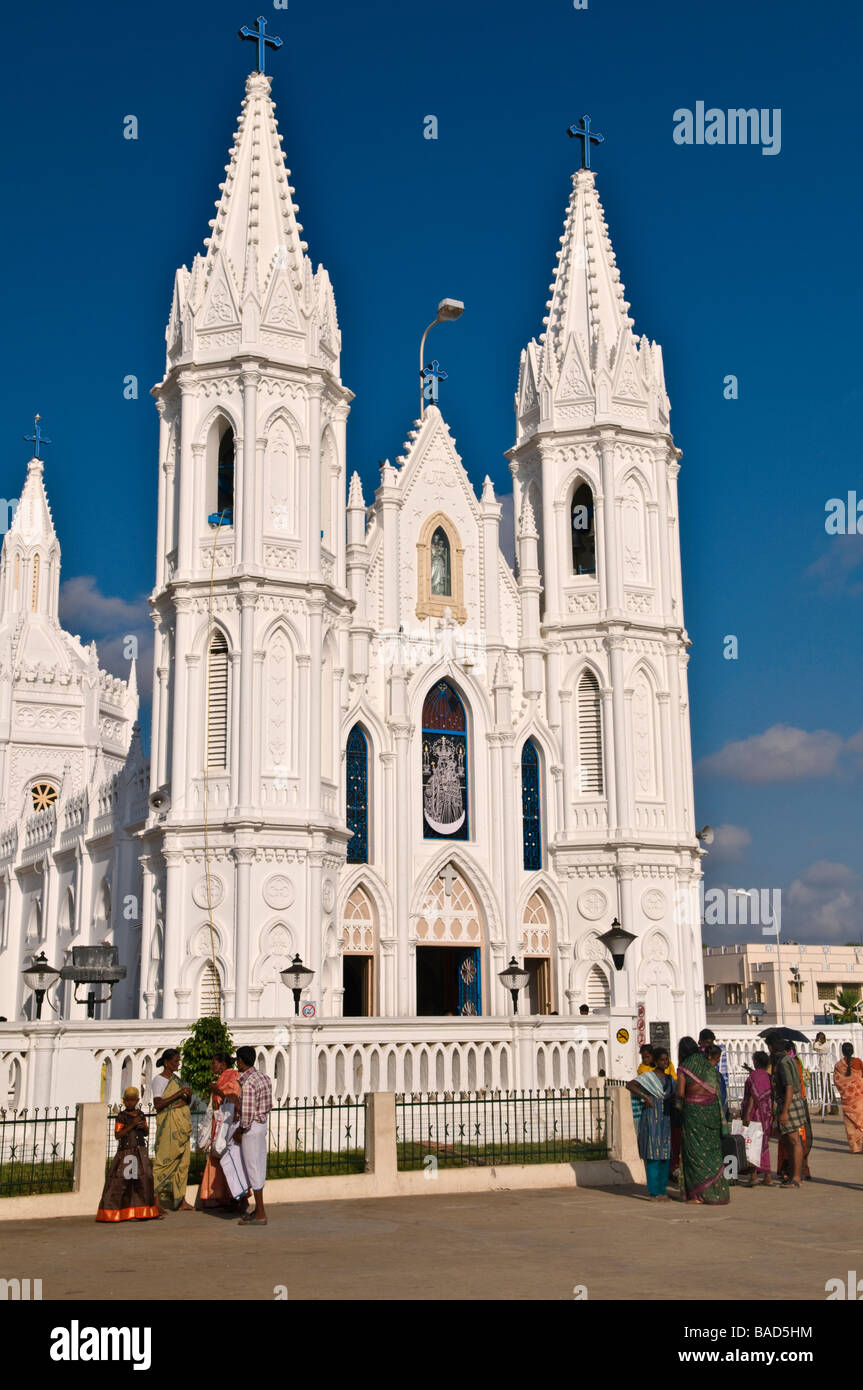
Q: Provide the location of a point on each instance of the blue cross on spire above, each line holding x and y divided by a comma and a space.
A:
262, 38
587, 138
37, 438
432, 375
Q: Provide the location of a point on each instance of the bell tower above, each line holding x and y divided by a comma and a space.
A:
250, 602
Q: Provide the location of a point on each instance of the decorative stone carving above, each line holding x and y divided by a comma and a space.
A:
653, 903
217, 892
593, 904
278, 892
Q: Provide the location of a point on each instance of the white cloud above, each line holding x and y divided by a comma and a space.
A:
835, 569
781, 754
110, 620
825, 903
729, 842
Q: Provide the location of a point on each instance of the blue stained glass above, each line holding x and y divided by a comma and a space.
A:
444, 765
530, 816
357, 796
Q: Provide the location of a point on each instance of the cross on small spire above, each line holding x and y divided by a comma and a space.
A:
587, 138
432, 375
262, 39
37, 438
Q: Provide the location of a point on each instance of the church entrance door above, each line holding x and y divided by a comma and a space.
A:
449, 981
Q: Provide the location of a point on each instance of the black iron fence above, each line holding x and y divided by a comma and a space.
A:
490, 1129
317, 1138
37, 1151
307, 1138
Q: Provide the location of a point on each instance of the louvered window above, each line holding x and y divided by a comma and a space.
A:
589, 736
217, 706
208, 1003
598, 995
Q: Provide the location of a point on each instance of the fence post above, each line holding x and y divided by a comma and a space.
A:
624, 1142
381, 1157
91, 1129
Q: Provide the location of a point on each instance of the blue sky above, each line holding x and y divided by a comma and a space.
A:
735, 261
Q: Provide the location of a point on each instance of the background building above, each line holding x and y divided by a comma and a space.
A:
790, 982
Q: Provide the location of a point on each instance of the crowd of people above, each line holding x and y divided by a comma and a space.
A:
234, 1138
684, 1127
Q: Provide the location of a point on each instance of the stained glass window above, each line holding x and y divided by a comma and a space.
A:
444, 765
530, 817
357, 796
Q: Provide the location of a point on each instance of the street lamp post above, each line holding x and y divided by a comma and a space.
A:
514, 978
447, 311
297, 977
94, 965
40, 976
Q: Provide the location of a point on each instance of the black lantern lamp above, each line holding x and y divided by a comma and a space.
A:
94, 965
514, 979
40, 976
616, 941
297, 977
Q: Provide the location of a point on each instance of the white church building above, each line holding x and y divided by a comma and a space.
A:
374, 743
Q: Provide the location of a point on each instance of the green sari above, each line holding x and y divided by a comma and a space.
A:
171, 1159
703, 1127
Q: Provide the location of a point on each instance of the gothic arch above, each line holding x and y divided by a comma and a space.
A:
638, 475
645, 732
277, 945
375, 888
474, 877
584, 471
281, 474
281, 412
206, 633
635, 532
474, 697
278, 697
546, 886
430, 604
227, 413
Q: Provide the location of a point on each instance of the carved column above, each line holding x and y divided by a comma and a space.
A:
249, 378
174, 933
248, 602
243, 857
614, 588
187, 528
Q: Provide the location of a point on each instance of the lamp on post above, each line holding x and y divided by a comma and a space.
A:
297, 976
447, 311
40, 976
617, 941
514, 978
94, 965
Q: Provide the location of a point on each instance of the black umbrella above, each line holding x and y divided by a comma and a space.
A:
792, 1034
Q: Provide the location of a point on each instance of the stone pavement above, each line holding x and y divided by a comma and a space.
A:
767, 1244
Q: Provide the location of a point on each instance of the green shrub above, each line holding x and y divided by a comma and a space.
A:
208, 1035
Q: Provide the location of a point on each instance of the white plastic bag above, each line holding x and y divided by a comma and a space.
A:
205, 1132
753, 1136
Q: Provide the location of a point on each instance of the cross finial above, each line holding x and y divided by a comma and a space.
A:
587, 138
262, 39
37, 438
432, 375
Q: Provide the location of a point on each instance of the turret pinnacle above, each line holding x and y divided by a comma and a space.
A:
255, 287
588, 366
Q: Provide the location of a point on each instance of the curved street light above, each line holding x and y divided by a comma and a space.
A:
447, 311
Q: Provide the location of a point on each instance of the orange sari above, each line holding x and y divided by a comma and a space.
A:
213, 1191
850, 1089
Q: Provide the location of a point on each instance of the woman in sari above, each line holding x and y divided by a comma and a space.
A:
128, 1194
703, 1127
222, 1182
848, 1080
655, 1089
173, 1132
758, 1109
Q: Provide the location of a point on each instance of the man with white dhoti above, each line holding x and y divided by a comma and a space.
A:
255, 1105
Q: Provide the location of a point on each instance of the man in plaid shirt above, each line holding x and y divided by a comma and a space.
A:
255, 1105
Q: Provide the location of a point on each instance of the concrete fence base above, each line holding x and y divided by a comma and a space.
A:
381, 1179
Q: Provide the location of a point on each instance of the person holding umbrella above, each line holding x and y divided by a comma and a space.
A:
785, 1156
791, 1114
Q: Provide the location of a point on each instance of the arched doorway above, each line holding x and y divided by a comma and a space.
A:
449, 949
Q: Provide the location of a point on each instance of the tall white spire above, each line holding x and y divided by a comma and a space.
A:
255, 286
588, 367
30, 562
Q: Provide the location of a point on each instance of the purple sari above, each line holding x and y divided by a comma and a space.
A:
758, 1105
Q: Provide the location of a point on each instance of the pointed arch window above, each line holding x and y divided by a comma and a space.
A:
589, 736
441, 563
444, 765
357, 795
220, 474
530, 807
582, 519
217, 702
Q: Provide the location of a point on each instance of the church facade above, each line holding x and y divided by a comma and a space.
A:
374, 743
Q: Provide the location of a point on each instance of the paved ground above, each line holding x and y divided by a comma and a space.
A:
525, 1245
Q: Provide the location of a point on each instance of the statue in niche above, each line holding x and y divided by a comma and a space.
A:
441, 582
